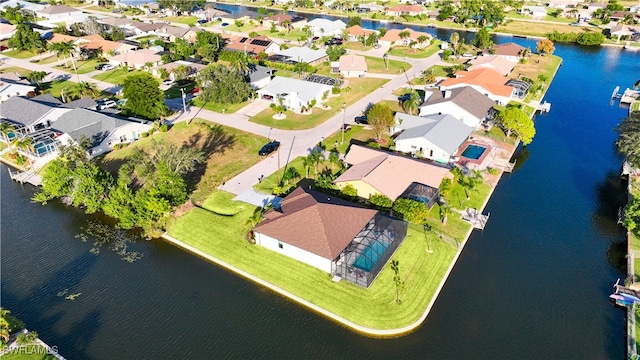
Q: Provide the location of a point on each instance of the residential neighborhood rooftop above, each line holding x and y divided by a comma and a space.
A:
488, 79
444, 131
466, 97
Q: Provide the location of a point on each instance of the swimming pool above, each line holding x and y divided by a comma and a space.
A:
473, 151
370, 255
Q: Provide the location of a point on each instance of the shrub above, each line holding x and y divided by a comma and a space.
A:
349, 191
117, 146
144, 134
492, 171
28, 338
381, 201
253, 34
373, 144
335, 90
411, 210
446, 54
164, 128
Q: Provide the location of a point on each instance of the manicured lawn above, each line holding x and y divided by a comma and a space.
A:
421, 271
48, 60
219, 108
536, 65
292, 35
539, 29
16, 69
394, 105
228, 152
246, 27
356, 45
29, 352
55, 87
405, 51
174, 91
359, 88
116, 76
19, 54
188, 20
376, 66
83, 66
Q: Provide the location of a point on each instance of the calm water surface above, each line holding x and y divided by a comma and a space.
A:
533, 285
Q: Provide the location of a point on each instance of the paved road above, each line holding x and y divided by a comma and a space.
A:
293, 143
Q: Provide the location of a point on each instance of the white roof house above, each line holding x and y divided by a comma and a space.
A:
436, 137
7, 90
294, 93
57, 12
535, 11
24, 5
464, 103
324, 27
304, 54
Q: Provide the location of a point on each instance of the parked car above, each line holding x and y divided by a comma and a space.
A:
346, 127
269, 148
361, 120
105, 104
195, 90
105, 67
404, 97
334, 41
467, 55
224, 24
167, 82
202, 21
315, 38
3, 47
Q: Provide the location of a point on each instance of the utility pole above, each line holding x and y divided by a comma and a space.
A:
343, 111
184, 105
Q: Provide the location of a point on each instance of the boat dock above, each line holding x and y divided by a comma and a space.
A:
628, 96
615, 95
28, 176
475, 218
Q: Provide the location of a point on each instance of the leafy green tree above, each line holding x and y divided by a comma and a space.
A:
454, 38
380, 117
590, 38
334, 52
632, 216
144, 97
15, 15
26, 39
177, 6
399, 283
410, 210
354, 20
482, 39
628, 142
381, 201
223, 85
517, 121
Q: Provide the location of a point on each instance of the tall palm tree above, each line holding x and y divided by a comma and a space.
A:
36, 77
25, 144
428, 76
316, 158
411, 104
5, 129
66, 50
334, 159
422, 39
404, 35
241, 64
83, 89
181, 72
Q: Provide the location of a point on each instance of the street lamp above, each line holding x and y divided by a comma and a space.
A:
184, 105
343, 109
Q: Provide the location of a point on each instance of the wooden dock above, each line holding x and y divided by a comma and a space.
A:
475, 218
628, 96
28, 176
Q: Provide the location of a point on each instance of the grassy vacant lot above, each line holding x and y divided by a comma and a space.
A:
539, 28
292, 35
19, 54
405, 51
356, 45
116, 76
83, 66
228, 152
29, 352
537, 65
223, 237
376, 66
188, 20
219, 108
359, 88
15, 69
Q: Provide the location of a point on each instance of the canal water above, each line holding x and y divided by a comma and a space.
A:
532, 285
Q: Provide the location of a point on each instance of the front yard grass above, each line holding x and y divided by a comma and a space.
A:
116, 76
405, 51
15, 69
219, 108
19, 54
224, 238
83, 66
359, 88
227, 151
376, 66
187, 20
174, 91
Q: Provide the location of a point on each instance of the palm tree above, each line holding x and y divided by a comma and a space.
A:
25, 144
334, 159
307, 162
287, 25
241, 64
453, 39
83, 89
64, 49
180, 72
422, 39
411, 104
316, 158
413, 45
5, 129
404, 35
148, 65
36, 77
290, 174
428, 76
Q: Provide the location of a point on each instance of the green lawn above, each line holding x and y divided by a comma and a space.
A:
83, 66
376, 65
116, 76
48, 60
421, 271
228, 152
356, 45
292, 35
19, 54
174, 91
359, 88
187, 20
405, 51
16, 69
29, 352
219, 108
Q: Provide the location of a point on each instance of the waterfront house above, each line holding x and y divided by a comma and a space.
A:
498, 64
211, 14
372, 171
255, 46
486, 81
294, 93
410, 10
393, 38
137, 59
102, 131
510, 51
435, 137
30, 115
350, 65
465, 104
357, 32
284, 22
25, 6
323, 27
537, 12
331, 234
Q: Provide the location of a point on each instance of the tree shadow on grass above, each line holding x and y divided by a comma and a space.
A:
211, 140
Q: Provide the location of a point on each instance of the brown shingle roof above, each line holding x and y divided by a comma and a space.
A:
318, 223
389, 173
508, 49
466, 97
58, 9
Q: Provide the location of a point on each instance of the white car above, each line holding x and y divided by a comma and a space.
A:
167, 82
107, 104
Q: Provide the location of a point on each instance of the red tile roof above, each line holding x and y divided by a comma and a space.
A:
488, 79
315, 222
